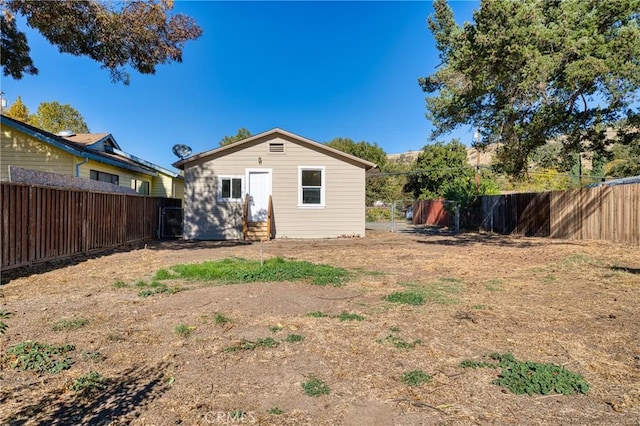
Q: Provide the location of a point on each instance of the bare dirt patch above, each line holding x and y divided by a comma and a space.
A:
565, 302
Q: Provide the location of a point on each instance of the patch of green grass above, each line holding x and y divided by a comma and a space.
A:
317, 314
69, 324
549, 278
406, 297
294, 338
275, 328
479, 307
399, 343
394, 329
237, 270
415, 378
346, 316
275, 411
529, 377
90, 383
267, 342
246, 345
442, 291
120, 284
495, 284
155, 287
184, 330
94, 356
38, 357
315, 387
577, 259
163, 274
220, 319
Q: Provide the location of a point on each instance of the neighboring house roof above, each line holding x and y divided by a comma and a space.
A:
91, 146
322, 147
93, 139
622, 181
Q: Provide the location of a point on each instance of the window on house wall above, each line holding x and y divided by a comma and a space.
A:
311, 186
104, 177
141, 186
229, 188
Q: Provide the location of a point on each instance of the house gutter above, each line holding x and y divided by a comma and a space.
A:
78, 165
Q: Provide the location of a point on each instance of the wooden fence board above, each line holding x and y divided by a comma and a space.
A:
42, 223
602, 213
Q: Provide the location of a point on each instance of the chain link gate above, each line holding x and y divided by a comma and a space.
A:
171, 222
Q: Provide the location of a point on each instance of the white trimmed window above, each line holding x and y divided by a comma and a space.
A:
311, 184
229, 188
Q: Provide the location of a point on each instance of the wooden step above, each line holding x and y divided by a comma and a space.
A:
257, 231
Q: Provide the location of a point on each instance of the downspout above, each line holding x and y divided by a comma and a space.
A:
83, 162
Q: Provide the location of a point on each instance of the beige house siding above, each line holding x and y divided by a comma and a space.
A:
125, 177
22, 150
342, 214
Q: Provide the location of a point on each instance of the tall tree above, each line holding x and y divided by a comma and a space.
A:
526, 72
118, 35
376, 186
439, 164
365, 150
18, 110
242, 134
54, 117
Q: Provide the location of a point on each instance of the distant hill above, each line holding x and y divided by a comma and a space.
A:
485, 156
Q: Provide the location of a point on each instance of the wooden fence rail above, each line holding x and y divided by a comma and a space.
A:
42, 223
605, 213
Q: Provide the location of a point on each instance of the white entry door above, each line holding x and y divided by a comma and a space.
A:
259, 190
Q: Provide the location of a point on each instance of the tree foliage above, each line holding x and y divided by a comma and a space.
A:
18, 110
242, 134
366, 150
439, 164
55, 117
376, 188
119, 35
527, 72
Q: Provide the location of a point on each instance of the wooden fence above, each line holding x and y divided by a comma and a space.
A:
431, 212
43, 223
605, 213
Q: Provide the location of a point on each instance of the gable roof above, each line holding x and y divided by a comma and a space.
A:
92, 139
276, 131
89, 145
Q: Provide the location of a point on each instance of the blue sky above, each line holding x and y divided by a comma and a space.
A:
319, 69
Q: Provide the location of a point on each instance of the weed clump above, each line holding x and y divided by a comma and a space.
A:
315, 387
416, 378
529, 377
38, 357
91, 382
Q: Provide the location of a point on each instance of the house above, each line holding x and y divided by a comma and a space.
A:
273, 185
96, 157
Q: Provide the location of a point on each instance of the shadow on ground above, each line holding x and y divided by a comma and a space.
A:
166, 244
125, 394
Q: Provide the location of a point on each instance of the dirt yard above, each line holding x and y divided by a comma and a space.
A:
571, 303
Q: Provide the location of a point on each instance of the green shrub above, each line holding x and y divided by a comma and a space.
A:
184, 330
317, 314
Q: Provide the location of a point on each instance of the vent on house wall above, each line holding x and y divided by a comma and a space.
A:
276, 147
